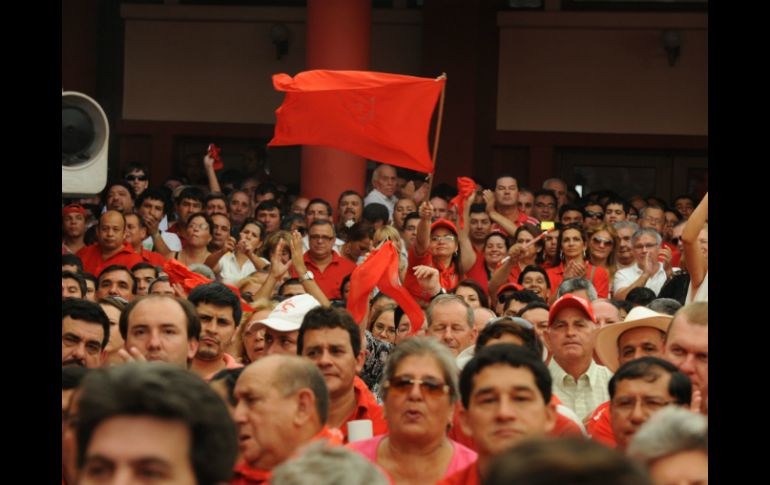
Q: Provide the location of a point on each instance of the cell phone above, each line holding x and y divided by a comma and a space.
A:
547, 225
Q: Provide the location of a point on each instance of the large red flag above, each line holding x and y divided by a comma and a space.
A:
383, 117
381, 270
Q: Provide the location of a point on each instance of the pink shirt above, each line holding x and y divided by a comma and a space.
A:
461, 458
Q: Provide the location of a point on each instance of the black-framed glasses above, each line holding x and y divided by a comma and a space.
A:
134, 178
428, 387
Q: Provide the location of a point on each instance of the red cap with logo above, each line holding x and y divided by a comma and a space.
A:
571, 301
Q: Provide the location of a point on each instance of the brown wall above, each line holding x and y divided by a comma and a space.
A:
601, 73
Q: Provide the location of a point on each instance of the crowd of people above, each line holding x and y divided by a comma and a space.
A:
208, 334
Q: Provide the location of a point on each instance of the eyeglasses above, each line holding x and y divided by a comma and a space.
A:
600, 241
320, 237
202, 226
380, 328
134, 178
445, 237
428, 387
596, 215
649, 404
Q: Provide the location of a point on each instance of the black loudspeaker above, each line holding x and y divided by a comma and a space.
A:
84, 136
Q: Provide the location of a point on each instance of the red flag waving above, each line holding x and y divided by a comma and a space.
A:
465, 187
381, 270
383, 117
179, 273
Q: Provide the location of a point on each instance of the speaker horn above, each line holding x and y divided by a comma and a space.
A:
84, 139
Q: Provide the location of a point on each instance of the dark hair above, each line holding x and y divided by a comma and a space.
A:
193, 322
473, 285
534, 304
640, 296
154, 194
267, 188
508, 325
650, 369
359, 231
522, 296
205, 217
478, 209
533, 268
320, 201
374, 211
345, 281
71, 259
251, 220
566, 459
511, 355
88, 311
165, 392
89, 277
79, 278
349, 192
117, 267
190, 192
115, 182
229, 377
215, 196
268, 205
288, 220
159, 279
217, 294
618, 201
410, 216
290, 281
144, 265
319, 318
546, 192
569, 207
134, 167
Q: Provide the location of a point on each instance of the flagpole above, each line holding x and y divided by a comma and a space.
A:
438, 132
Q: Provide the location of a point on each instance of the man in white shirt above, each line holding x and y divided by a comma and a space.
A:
648, 271
384, 181
578, 381
153, 205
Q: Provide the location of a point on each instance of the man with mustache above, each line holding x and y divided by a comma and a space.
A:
85, 331
350, 207
219, 311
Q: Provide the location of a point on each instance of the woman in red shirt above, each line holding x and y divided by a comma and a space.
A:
572, 253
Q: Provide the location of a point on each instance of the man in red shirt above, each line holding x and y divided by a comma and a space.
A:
506, 397
332, 340
110, 246
503, 207
136, 232
324, 265
282, 404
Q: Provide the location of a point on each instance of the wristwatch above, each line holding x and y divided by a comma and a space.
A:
306, 276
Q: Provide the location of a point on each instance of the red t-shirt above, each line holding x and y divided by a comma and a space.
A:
600, 279
522, 219
330, 279
448, 277
599, 426
155, 259
478, 271
94, 264
366, 408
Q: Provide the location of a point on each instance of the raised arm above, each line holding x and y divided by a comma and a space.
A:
422, 243
467, 253
506, 224
309, 285
697, 264
208, 164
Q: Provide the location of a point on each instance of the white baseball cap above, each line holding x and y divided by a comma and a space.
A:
288, 315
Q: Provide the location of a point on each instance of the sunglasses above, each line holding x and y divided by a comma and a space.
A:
134, 178
600, 241
428, 387
596, 215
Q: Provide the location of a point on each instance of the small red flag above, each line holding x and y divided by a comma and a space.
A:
179, 273
465, 187
213, 152
383, 117
381, 270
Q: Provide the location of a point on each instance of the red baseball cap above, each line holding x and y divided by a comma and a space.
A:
507, 286
444, 223
570, 301
73, 208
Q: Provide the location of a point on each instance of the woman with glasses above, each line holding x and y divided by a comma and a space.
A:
199, 231
250, 339
238, 260
383, 325
574, 262
603, 242
419, 390
437, 245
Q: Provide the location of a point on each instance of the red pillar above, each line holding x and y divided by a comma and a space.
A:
338, 37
